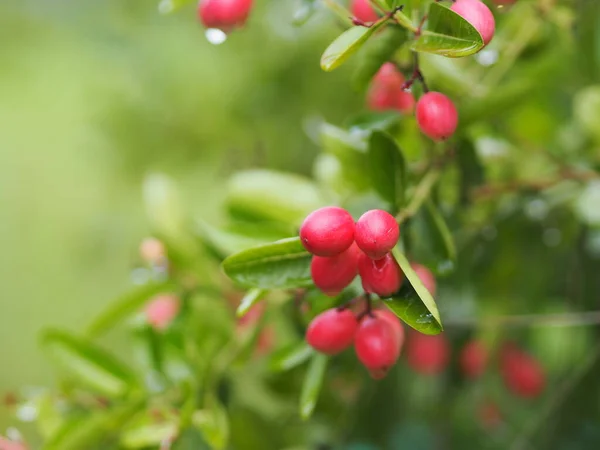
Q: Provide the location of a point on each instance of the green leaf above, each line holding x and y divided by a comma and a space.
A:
169, 6
250, 299
304, 11
377, 51
448, 34
291, 356
414, 304
148, 435
387, 168
312, 385
125, 306
267, 195
90, 365
83, 433
471, 170
346, 45
283, 264
373, 120
213, 423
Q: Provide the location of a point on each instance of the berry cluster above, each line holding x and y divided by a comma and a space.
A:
343, 249
378, 337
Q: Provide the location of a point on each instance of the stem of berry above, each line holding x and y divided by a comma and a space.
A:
368, 307
416, 75
421, 194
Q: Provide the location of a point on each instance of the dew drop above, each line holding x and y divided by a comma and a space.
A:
215, 36
487, 57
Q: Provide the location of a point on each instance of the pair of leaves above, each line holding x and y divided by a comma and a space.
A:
446, 34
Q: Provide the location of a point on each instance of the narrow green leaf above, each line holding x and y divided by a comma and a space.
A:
471, 170
89, 364
387, 168
374, 120
148, 435
281, 265
438, 238
448, 34
125, 306
414, 304
346, 45
291, 356
266, 195
377, 51
213, 423
313, 382
249, 300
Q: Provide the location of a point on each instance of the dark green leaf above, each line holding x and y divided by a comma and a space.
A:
281, 265
312, 385
387, 168
89, 364
414, 304
471, 170
289, 357
345, 46
249, 300
125, 306
377, 51
448, 34
439, 237
267, 195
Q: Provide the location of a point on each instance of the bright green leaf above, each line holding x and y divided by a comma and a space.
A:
373, 120
283, 264
312, 385
289, 357
148, 435
213, 423
345, 46
89, 364
448, 34
267, 195
387, 168
414, 304
252, 297
126, 306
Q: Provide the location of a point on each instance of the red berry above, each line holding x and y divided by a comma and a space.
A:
332, 331
426, 277
327, 231
161, 310
386, 91
382, 277
392, 319
224, 14
376, 233
332, 274
473, 359
427, 355
437, 116
362, 10
477, 14
522, 374
377, 346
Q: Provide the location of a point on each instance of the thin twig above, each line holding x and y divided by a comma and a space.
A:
421, 194
528, 320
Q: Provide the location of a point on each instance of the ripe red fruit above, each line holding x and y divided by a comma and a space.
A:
522, 374
392, 319
473, 359
477, 14
377, 346
376, 233
386, 91
332, 274
332, 331
426, 277
437, 116
224, 14
362, 10
382, 276
327, 231
161, 310
428, 355
152, 250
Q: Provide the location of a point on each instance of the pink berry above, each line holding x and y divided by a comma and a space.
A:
377, 346
376, 233
152, 250
5, 444
327, 231
473, 359
224, 14
386, 91
522, 374
477, 14
382, 276
428, 355
362, 10
332, 331
437, 116
161, 310
426, 277
332, 274
392, 319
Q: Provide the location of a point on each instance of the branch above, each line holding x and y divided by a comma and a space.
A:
421, 194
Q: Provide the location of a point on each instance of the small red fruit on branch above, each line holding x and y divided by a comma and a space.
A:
225, 15
382, 277
332, 331
437, 116
377, 345
477, 14
327, 231
332, 274
161, 311
386, 93
376, 233
473, 359
363, 11
522, 374
428, 355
